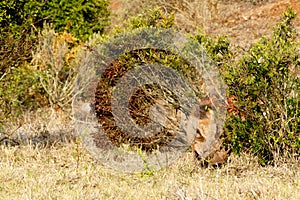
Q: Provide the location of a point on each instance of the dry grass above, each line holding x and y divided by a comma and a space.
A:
65, 170
69, 172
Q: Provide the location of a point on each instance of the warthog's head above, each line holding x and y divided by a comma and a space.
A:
206, 144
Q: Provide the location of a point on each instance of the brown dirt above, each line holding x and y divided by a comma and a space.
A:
243, 22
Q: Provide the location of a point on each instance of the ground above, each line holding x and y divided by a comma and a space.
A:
69, 172
242, 21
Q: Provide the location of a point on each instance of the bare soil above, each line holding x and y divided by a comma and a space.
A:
243, 22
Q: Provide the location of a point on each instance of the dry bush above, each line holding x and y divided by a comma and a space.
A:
56, 61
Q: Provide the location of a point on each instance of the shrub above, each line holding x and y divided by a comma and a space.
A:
55, 64
264, 87
141, 100
218, 49
18, 89
146, 95
81, 18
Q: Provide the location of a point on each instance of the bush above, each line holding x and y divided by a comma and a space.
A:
81, 18
140, 101
55, 64
218, 49
147, 95
264, 89
18, 88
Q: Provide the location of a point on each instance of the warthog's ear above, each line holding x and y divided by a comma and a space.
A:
205, 102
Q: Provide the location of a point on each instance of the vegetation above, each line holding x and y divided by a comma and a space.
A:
41, 51
66, 172
142, 99
263, 84
22, 86
81, 18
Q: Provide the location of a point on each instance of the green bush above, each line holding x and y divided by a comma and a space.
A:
81, 18
264, 84
19, 91
16, 78
218, 49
